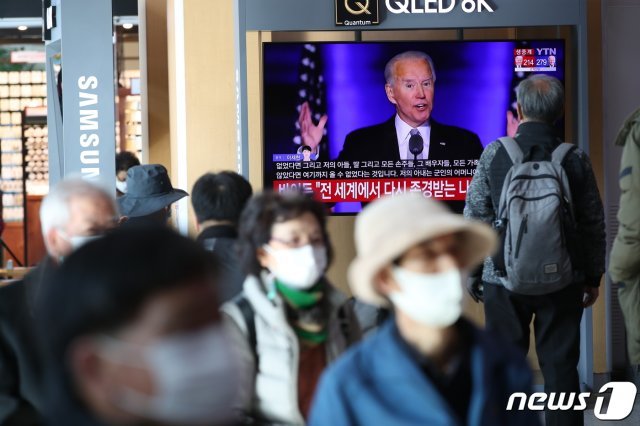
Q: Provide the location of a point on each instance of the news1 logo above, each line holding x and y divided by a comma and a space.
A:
621, 400
357, 12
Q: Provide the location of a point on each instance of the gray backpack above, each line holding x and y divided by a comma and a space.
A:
536, 220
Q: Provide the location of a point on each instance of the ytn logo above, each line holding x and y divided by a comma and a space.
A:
623, 395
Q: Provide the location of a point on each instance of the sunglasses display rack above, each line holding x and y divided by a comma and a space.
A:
36, 151
129, 117
18, 90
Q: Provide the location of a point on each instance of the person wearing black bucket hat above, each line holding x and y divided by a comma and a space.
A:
149, 195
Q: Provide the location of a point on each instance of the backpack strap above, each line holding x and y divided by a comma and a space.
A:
514, 151
560, 153
250, 320
344, 320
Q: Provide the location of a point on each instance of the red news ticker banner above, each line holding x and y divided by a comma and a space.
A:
370, 189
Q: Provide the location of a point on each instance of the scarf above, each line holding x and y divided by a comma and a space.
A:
302, 300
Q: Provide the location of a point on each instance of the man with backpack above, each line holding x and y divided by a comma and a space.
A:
542, 198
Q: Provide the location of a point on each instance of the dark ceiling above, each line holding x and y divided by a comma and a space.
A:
33, 8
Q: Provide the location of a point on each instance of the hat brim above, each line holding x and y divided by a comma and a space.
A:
142, 206
476, 242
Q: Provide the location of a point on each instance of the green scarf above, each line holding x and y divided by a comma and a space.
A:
313, 337
304, 299
301, 299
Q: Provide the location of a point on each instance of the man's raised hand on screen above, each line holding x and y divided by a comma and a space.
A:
311, 134
512, 124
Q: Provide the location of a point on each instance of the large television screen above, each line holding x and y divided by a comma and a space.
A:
332, 127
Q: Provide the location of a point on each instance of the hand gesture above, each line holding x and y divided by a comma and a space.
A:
311, 134
512, 124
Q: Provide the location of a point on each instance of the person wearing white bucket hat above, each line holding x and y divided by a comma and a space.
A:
426, 364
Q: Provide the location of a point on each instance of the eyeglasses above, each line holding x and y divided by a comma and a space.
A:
298, 242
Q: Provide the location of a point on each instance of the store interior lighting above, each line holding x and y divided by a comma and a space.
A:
23, 24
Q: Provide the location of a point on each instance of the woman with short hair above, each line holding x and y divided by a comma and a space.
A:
289, 321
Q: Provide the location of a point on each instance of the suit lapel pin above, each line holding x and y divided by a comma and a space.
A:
443, 143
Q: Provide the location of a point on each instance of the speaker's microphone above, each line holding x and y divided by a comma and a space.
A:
416, 144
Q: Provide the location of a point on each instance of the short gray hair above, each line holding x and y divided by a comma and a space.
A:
54, 210
411, 54
541, 98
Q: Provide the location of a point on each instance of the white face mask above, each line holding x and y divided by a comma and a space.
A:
121, 186
299, 268
78, 241
431, 299
196, 377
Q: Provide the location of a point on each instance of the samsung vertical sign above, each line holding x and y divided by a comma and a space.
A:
89, 90
89, 126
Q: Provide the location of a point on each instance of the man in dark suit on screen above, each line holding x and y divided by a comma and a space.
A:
410, 79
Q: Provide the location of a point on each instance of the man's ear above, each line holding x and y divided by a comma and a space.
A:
192, 213
388, 88
49, 238
384, 283
519, 111
86, 366
52, 242
264, 258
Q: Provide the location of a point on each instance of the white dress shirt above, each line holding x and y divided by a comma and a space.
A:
403, 132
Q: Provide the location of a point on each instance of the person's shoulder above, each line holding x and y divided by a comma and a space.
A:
353, 366
489, 152
336, 297
374, 129
493, 147
454, 131
12, 296
631, 127
578, 153
577, 161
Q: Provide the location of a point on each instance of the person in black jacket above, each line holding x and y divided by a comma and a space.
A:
556, 316
74, 212
133, 336
218, 200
